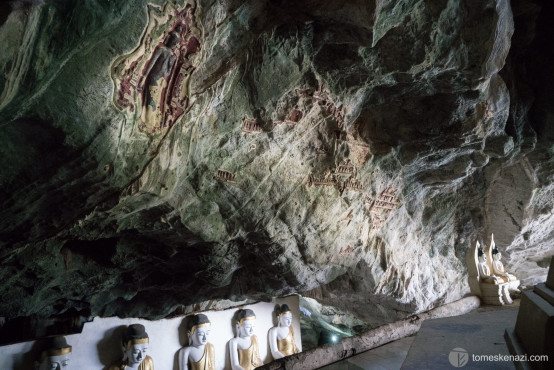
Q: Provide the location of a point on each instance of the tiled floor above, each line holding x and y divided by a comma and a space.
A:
387, 357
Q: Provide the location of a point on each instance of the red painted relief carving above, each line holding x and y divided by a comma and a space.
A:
325, 180
352, 184
346, 167
343, 178
382, 206
295, 116
225, 176
152, 81
250, 125
322, 98
346, 251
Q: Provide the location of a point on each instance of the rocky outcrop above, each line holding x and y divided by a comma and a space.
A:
164, 154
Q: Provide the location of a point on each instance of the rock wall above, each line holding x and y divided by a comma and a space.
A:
162, 154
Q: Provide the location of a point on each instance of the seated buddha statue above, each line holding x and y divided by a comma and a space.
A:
135, 346
281, 337
244, 347
484, 270
199, 354
56, 356
498, 267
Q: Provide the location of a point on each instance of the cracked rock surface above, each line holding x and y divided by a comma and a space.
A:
161, 154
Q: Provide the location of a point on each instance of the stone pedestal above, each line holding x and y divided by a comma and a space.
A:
550, 278
534, 330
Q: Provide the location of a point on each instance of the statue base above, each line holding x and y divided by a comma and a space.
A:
534, 330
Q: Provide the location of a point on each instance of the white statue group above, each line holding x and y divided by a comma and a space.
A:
493, 284
134, 344
199, 355
243, 349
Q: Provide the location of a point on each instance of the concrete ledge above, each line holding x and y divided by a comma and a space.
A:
348, 347
550, 277
515, 349
535, 325
545, 292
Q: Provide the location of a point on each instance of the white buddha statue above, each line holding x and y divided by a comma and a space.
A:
281, 337
498, 267
199, 354
135, 346
57, 355
244, 347
484, 271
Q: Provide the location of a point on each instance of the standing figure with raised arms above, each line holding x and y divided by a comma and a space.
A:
134, 343
244, 347
56, 356
200, 354
281, 337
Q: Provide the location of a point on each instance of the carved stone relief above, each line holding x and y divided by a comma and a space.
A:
321, 97
152, 80
382, 206
325, 180
295, 116
250, 125
352, 184
225, 176
343, 177
346, 167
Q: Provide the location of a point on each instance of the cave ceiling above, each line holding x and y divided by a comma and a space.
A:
160, 154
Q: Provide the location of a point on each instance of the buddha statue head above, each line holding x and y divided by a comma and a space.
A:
496, 255
246, 322
198, 327
56, 356
481, 255
284, 316
135, 344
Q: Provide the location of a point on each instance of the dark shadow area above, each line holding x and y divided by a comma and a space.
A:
26, 361
109, 348
5, 10
101, 250
23, 329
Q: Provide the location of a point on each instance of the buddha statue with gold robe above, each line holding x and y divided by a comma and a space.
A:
498, 267
243, 348
135, 346
56, 356
199, 355
281, 337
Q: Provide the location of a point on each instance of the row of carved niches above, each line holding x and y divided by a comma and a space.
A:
487, 277
305, 98
344, 178
247, 337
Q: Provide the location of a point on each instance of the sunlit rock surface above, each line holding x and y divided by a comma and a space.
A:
159, 155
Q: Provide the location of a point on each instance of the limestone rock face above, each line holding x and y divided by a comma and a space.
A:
166, 153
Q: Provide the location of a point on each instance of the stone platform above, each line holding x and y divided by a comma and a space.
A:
533, 335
